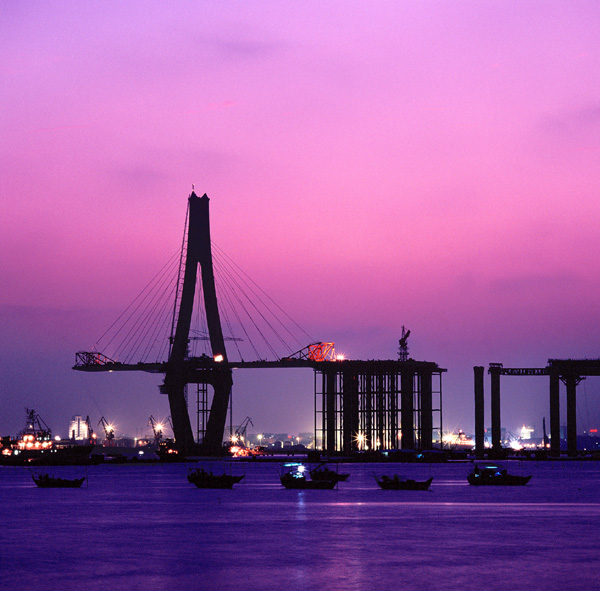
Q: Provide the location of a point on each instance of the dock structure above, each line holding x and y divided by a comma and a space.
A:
569, 371
377, 405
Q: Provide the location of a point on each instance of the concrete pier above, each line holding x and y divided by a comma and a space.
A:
495, 372
479, 410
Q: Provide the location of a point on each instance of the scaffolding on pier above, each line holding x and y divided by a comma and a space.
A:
378, 405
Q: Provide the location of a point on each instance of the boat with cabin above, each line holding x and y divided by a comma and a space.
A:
494, 475
296, 475
35, 446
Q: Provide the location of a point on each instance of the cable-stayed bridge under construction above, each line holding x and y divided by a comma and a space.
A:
376, 404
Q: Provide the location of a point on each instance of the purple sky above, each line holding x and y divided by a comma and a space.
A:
370, 165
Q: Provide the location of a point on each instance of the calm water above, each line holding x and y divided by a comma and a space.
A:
146, 528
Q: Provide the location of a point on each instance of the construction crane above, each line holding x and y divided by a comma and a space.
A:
201, 336
36, 425
240, 432
403, 345
157, 429
316, 352
109, 430
90, 431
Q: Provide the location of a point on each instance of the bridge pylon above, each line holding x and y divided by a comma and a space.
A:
177, 375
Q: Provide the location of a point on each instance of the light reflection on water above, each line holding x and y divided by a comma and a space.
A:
147, 528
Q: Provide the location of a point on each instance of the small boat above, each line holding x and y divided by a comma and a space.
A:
294, 476
396, 483
322, 472
491, 475
203, 479
47, 481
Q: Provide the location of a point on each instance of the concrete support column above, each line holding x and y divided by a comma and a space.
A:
407, 408
350, 412
479, 411
554, 414
379, 441
368, 397
392, 430
426, 411
330, 415
571, 383
495, 406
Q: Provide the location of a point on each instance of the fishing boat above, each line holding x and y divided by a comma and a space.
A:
492, 475
203, 479
322, 472
47, 481
397, 483
295, 476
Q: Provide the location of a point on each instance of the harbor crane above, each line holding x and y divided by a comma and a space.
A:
109, 430
35, 423
240, 432
157, 429
90, 430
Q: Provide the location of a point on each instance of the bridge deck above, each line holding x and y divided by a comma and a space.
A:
200, 363
562, 367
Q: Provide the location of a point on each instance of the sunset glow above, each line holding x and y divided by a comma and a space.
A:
433, 165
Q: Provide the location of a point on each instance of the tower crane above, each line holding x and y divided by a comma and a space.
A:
403, 344
109, 430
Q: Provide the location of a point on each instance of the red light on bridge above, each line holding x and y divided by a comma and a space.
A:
593, 430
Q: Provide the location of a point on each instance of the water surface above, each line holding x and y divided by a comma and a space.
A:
145, 527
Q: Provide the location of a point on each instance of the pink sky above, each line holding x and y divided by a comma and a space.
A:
369, 164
